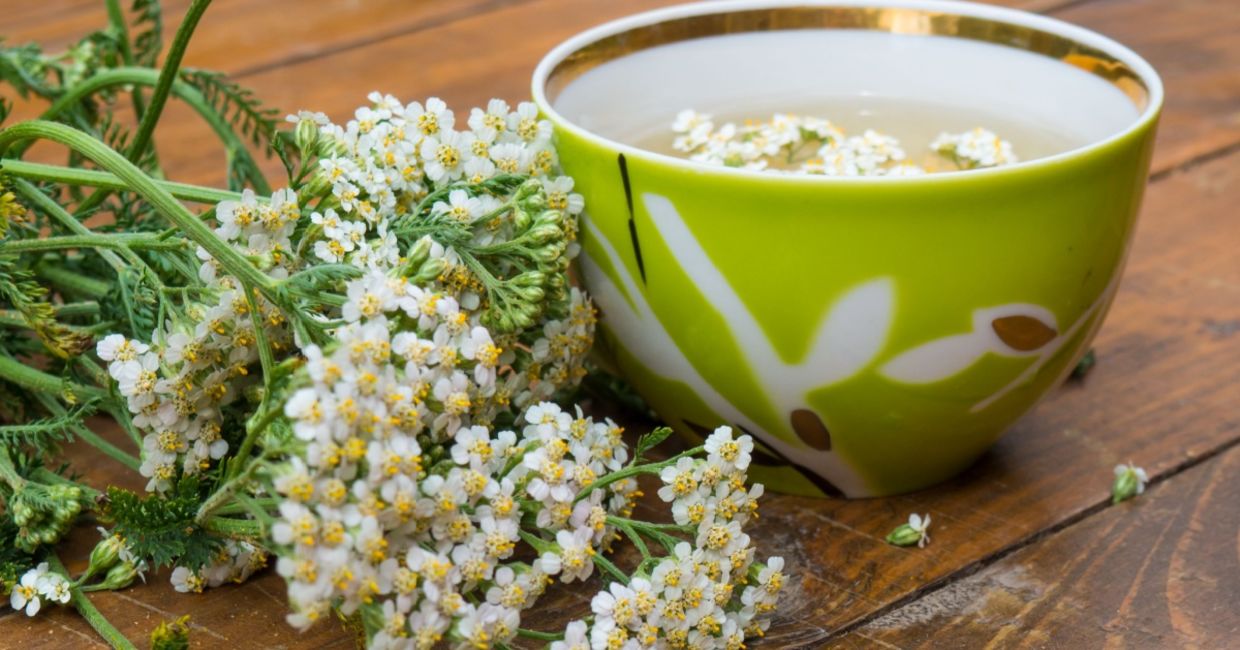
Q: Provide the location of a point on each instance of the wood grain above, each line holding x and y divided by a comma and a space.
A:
1159, 571
1163, 395
1193, 46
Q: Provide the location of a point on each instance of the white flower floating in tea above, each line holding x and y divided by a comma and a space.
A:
974, 149
810, 145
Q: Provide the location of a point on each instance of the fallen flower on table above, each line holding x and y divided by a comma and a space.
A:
916, 531
1130, 481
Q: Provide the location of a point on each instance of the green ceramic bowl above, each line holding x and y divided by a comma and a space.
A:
876, 334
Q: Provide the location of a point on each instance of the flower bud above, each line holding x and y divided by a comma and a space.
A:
306, 135
521, 218
549, 253
429, 270
904, 535
529, 279
420, 252
105, 555
532, 294
543, 234
119, 576
530, 190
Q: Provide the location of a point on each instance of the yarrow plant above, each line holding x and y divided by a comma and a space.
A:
360, 378
810, 145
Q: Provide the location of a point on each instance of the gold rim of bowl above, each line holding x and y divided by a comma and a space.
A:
1072, 45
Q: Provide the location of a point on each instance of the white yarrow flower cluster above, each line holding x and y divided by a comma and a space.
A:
178, 385
403, 504
381, 164
975, 149
706, 594
421, 479
391, 155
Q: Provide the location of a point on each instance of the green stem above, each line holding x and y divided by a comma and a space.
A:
8, 472
539, 544
114, 241
654, 532
117, 19
258, 422
167, 75
73, 282
120, 412
233, 262
184, 91
90, 437
240, 507
648, 468
26, 377
247, 528
256, 509
266, 358
44, 202
87, 609
110, 450
112, 257
541, 636
14, 318
628, 531
40, 172
606, 565
48, 477
225, 492
83, 308
268, 362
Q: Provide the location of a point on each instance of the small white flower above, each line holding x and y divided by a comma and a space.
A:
679, 480
576, 637
921, 525
460, 206
55, 588
115, 347
26, 593
733, 453
493, 119
445, 155
688, 120
576, 554
432, 118
186, 581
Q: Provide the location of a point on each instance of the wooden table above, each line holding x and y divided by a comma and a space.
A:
1027, 549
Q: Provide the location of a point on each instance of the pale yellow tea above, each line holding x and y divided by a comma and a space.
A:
893, 132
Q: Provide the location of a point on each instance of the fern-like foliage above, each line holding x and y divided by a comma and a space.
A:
247, 116
21, 291
148, 31
161, 527
24, 68
43, 434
